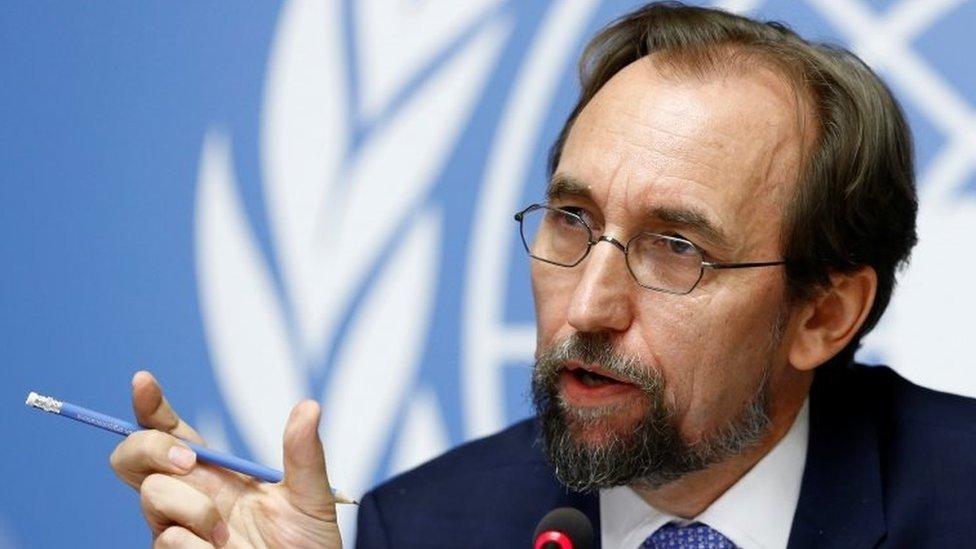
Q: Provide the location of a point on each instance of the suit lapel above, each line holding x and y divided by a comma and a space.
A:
840, 498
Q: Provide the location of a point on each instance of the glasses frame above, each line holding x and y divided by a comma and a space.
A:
625, 248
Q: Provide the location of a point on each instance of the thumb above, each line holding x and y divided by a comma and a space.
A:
306, 480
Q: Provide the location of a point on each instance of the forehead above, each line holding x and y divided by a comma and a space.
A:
725, 146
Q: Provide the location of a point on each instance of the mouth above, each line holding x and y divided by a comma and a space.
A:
591, 385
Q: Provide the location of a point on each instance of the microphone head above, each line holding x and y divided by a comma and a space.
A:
564, 528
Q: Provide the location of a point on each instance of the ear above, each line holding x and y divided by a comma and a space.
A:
830, 320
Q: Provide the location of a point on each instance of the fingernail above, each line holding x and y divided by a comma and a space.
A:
220, 535
137, 375
182, 457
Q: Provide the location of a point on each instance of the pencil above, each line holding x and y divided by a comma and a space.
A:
125, 428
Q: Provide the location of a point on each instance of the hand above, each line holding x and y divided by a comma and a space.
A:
190, 504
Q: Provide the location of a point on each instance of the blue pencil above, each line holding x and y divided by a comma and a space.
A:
124, 428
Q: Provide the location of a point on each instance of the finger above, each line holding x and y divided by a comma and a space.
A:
146, 452
306, 479
177, 536
153, 410
168, 501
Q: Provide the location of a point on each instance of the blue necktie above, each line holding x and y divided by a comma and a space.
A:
694, 536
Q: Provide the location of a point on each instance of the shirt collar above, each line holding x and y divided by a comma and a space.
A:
757, 511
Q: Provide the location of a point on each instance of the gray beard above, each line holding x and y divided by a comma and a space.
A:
651, 453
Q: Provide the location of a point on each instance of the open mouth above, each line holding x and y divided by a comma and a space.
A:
592, 379
593, 386
593, 374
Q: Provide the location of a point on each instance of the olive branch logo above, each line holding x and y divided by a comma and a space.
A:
339, 308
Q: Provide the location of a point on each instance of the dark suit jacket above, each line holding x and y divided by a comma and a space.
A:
888, 464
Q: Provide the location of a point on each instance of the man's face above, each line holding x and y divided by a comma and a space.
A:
713, 161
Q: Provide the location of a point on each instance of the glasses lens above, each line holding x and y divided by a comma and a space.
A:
556, 236
664, 263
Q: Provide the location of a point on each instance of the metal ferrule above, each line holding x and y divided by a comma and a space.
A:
46, 403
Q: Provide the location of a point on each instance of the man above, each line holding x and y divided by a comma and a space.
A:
727, 210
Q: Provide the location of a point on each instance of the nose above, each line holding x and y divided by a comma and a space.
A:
602, 300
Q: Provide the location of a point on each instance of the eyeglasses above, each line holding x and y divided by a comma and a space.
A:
657, 262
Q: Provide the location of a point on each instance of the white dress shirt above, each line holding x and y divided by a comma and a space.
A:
756, 512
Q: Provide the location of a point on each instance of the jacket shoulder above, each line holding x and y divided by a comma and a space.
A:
926, 442
487, 493
515, 446
905, 406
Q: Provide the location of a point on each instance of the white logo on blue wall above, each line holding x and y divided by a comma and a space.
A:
341, 307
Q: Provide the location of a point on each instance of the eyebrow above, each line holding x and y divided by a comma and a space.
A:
561, 185
686, 218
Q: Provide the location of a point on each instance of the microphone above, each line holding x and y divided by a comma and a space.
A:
564, 528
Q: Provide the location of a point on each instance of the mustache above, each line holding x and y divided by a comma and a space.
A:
596, 349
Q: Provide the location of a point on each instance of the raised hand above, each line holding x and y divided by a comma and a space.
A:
190, 504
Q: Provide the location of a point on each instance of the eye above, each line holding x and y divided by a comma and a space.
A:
679, 246
578, 214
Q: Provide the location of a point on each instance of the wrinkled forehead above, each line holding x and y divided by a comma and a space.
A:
730, 143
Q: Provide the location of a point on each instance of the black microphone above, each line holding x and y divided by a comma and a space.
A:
564, 528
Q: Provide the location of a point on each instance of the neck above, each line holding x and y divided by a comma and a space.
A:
688, 496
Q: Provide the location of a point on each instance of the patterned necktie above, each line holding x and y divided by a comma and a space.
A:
694, 536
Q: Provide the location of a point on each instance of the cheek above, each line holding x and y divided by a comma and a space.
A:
676, 333
706, 330
711, 352
552, 291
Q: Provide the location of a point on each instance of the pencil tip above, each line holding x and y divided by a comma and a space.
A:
343, 499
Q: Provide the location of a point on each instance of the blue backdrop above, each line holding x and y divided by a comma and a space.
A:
262, 202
